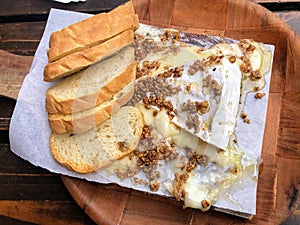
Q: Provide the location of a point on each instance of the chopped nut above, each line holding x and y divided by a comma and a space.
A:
250, 48
202, 107
189, 106
153, 174
188, 87
172, 72
213, 59
255, 75
154, 185
195, 67
243, 115
146, 132
234, 170
259, 95
193, 122
130, 172
149, 156
147, 107
247, 121
140, 181
212, 84
155, 86
232, 59
246, 46
255, 89
205, 204
245, 68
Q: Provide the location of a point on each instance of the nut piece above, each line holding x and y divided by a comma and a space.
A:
205, 204
255, 75
243, 115
154, 185
246, 66
202, 107
259, 95
188, 88
212, 85
232, 59
247, 121
195, 67
146, 133
234, 170
255, 89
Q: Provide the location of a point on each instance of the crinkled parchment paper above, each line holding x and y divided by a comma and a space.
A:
30, 131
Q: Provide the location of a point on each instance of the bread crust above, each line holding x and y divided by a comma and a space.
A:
79, 60
88, 166
91, 31
67, 106
63, 124
69, 164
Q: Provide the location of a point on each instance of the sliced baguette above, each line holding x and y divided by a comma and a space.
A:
92, 31
92, 86
77, 61
82, 121
114, 138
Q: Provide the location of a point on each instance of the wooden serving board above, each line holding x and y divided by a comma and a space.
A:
279, 182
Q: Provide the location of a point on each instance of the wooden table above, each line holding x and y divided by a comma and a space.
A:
31, 195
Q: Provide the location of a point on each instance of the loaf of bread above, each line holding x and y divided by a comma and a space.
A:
92, 31
114, 138
82, 121
93, 85
77, 61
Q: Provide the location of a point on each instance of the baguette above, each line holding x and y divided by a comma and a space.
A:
79, 60
82, 121
92, 31
92, 86
114, 138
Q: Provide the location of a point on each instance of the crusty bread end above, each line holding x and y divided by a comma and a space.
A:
79, 60
92, 31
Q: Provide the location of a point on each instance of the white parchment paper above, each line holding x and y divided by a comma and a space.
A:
29, 129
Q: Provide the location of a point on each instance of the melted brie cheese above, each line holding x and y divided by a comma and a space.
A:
204, 183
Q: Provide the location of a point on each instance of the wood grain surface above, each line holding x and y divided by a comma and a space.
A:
31, 195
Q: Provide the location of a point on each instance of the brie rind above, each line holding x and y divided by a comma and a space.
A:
217, 126
219, 123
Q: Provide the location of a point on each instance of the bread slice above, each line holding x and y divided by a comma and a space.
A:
93, 85
82, 121
77, 61
114, 138
92, 31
